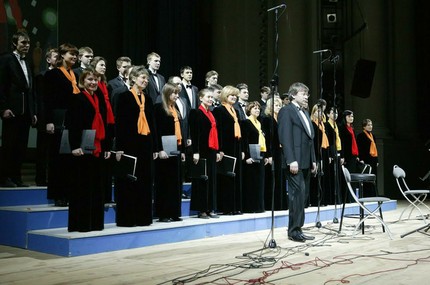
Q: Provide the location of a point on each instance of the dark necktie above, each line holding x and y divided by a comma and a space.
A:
189, 86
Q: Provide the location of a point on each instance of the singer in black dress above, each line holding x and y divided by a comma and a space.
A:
229, 188
168, 172
134, 127
204, 136
274, 172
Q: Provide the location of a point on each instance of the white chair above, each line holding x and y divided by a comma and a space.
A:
366, 211
415, 198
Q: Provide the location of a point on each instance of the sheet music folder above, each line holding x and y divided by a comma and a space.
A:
170, 145
255, 152
125, 167
227, 166
198, 170
87, 142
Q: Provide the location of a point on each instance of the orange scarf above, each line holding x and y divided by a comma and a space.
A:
97, 124
71, 77
261, 139
373, 151
177, 125
336, 130
324, 142
230, 109
109, 114
142, 123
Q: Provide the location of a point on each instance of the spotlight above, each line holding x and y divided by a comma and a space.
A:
331, 18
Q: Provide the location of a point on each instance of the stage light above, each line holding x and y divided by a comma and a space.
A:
331, 18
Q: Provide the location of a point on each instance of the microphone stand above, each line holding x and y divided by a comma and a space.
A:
274, 83
335, 161
319, 167
274, 88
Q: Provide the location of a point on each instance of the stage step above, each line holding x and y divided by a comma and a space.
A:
60, 242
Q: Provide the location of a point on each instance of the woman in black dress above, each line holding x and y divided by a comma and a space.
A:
204, 137
253, 167
134, 127
168, 174
229, 188
87, 111
61, 85
368, 153
274, 172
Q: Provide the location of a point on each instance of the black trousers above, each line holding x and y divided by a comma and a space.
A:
298, 193
15, 132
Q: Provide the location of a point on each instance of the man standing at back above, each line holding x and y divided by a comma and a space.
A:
156, 80
85, 56
122, 63
296, 137
17, 109
189, 92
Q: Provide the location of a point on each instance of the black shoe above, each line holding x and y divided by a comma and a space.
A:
176, 219
212, 215
306, 237
21, 184
164, 220
42, 184
237, 213
297, 238
185, 196
61, 203
203, 215
8, 184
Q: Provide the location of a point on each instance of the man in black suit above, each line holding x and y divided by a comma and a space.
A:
156, 80
242, 101
122, 64
43, 138
296, 137
189, 92
17, 109
85, 56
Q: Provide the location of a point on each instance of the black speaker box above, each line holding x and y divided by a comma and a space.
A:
363, 78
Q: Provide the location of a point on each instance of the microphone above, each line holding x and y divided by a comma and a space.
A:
277, 7
321, 50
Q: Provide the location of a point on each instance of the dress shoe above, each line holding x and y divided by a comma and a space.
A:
203, 215
237, 213
176, 219
61, 203
21, 184
306, 237
213, 215
8, 183
164, 220
297, 238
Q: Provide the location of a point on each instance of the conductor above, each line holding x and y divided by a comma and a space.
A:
296, 137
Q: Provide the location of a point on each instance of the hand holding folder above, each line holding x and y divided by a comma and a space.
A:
227, 166
170, 145
87, 142
125, 166
199, 170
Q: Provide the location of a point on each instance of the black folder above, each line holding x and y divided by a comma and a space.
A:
255, 152
227, 166
87, 142
199, 170
58, 117
125, 167
170, 145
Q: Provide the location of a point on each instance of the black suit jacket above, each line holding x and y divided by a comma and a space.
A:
183, 94
15, 93
151, 89
115, 83
297, 143
241, 113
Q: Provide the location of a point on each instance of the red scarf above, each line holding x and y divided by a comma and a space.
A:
98, 124
109, 114
354, 149
213, 133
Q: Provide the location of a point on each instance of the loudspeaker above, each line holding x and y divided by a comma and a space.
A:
363, 78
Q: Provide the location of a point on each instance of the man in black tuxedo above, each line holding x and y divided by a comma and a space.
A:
122, 63
242, 101
17, 109
189, 92
156, 80
85, 56
296, 137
